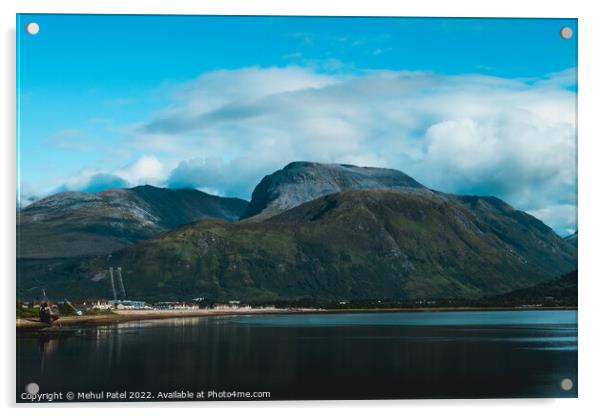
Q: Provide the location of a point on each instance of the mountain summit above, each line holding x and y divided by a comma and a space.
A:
300, 182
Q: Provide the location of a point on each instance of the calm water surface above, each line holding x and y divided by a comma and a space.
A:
314, 356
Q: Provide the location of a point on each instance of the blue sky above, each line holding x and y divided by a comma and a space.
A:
484, 106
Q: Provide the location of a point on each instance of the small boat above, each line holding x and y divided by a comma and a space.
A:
48, 313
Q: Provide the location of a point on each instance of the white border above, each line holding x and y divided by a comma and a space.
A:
590, 176
507, 8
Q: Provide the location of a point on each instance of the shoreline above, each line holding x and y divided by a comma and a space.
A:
145, 315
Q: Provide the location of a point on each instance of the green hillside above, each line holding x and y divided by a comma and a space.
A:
367, 244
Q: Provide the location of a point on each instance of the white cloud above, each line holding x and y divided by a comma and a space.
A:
513, 138
218, 96
145, 170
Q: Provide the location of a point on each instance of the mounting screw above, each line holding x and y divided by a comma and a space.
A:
32, 28
566, 32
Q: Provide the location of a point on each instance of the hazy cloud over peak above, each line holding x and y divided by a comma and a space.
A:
145, 170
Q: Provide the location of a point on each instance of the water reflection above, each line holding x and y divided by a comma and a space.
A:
47, 344
309, 356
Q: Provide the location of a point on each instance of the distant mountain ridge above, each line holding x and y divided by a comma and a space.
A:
71, 224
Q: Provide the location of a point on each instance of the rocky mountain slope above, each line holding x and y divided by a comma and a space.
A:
78, 223
348, 245
300, 182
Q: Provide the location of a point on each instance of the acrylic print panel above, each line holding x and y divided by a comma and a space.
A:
274, 208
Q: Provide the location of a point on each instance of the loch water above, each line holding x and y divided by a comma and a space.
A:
374, 355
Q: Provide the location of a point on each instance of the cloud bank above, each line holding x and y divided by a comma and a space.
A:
470, 134
145, 170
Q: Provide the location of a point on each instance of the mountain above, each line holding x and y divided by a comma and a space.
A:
360, 244
300, 182
572, 239
558, 292
79, 223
